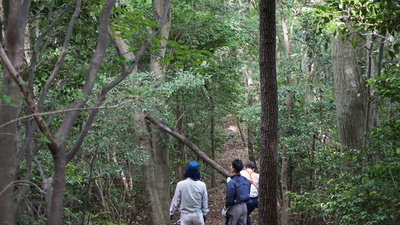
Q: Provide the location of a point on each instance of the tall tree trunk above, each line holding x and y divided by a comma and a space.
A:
15, 17
372, 111
60, 156
158, 167
161, 175
269, 115
248, 74
158, 8
349, 94
213, 145
288, 102
156, 172
285, 186
285, 162
57, 197
155, 183
181, 147
123, 49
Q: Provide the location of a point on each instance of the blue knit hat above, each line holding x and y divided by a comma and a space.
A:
192, 171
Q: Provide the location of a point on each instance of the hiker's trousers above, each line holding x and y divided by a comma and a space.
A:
192, 219
251, 205
236, 214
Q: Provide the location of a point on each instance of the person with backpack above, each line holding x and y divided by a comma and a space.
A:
237, 194
191, 197
253, 177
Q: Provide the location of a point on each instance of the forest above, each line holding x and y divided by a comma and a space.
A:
104, 102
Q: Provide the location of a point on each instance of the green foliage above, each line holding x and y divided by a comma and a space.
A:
357, 186
7, 99
209, 45
207, 26
350, 17
365, 14
183, 57
351, 197
130, 21
388, 85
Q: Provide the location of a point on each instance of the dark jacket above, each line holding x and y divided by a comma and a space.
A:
237, 190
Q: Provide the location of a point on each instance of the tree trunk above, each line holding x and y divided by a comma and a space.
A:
288, 102
15, 15
57, 197
372, 111
158, 167
60, 157
242, 135
269, 115
180, 146
285, 186
213, 144
156, 171
154, 186
349, 94
158, 8
123, 49
248, 74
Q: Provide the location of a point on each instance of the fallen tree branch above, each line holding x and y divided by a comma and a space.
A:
191, 145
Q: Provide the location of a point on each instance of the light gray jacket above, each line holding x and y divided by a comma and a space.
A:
191, 196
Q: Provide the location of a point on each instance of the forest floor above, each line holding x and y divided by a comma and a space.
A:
233, 149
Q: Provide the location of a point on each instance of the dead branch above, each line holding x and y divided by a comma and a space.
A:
191, 145
66, 110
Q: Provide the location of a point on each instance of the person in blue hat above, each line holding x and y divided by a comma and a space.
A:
191, 197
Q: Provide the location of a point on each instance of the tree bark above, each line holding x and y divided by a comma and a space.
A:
288, 102
285, 186
159, 168
248, 74
15, 15
213, 143
181, 155
372, 111
349, 94
123, 49
159, 7
158, 165
269, 115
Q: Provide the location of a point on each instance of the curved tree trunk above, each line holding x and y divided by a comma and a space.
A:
349, 94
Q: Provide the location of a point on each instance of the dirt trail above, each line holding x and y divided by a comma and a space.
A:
233, 150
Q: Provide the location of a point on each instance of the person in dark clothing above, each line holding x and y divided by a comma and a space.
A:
237, 194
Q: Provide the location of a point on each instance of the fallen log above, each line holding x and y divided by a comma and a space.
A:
191, 145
